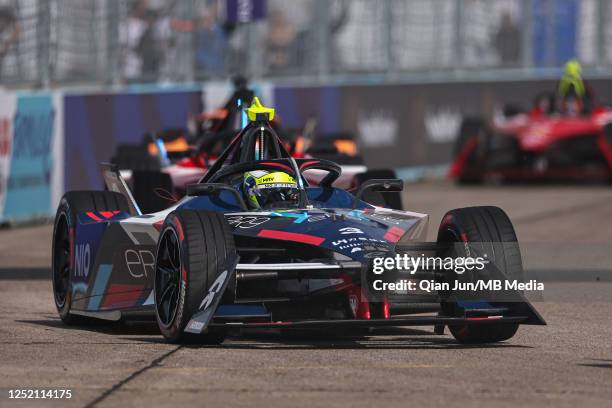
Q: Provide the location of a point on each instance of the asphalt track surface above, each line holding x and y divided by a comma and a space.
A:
565, 234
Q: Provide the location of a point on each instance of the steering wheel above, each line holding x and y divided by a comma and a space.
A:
281, 165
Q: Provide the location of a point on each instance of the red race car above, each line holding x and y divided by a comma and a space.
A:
538, 145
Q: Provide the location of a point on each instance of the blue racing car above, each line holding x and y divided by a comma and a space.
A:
253, 245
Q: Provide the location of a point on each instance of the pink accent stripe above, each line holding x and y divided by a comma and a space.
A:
394, 234
291, 236
119, 295
284, 166
308, 163
93, 216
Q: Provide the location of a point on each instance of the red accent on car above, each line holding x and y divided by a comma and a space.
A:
179, 229
485, 318
284, 166
291, 236
394, 234
606, 149
93, 216
308, 163
386, 308
120, 295
459, 163
107, 214
195, 162
158, 225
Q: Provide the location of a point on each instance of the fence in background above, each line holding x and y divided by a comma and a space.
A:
48, 42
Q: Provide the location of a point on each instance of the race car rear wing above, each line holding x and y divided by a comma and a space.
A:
114, 182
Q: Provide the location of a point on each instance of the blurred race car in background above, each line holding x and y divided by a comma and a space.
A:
159, 169
539, 145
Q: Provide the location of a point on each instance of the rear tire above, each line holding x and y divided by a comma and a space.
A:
488, 230
194, 248
471, 127
71, 204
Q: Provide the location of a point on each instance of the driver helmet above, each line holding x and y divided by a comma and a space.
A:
571, 83
264, 188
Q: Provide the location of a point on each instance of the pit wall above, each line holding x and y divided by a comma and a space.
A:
51, 142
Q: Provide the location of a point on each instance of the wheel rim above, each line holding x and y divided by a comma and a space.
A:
61, 264
167, 277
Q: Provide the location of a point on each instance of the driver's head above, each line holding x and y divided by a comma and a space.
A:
265, 189
573, 69
571, 84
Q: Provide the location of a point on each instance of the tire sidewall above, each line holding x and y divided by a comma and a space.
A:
454, 223
63, 212
174, 330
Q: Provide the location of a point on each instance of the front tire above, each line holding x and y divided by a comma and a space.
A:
487, 230
194, 248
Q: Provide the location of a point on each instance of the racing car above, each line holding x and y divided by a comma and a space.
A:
539, 145
254, 245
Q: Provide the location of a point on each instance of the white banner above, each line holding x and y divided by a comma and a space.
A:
8, 104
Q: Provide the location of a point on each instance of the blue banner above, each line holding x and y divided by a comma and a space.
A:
554, 32
29, 183
244, 11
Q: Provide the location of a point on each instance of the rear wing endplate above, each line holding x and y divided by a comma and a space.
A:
114, 182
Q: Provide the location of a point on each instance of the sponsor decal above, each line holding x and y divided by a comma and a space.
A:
299, 217
195, 325
82, 260
365, 243
375, 254
442, 125
350, 231
246, 222
318, 217
378, 129
139, 263
345, 241
212, 291
388, 218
